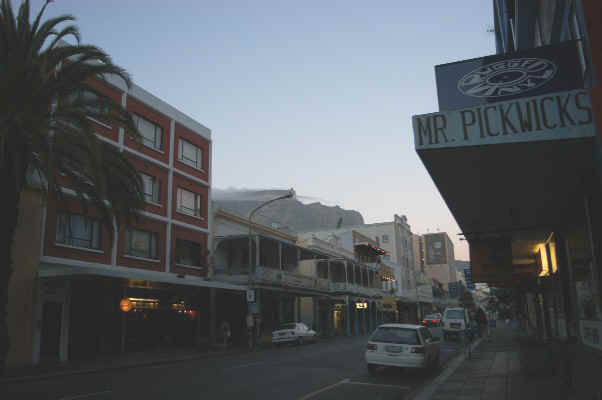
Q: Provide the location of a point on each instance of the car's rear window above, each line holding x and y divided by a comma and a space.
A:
454, 314
395, 335
287, 326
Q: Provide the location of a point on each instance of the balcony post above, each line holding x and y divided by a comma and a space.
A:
257, 245
280, 256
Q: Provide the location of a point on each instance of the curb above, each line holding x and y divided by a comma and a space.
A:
428, 388
74, 372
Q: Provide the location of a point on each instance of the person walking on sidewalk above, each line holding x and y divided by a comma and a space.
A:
250, 331
481, 321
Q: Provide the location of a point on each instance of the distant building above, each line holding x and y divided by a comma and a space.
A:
439, 260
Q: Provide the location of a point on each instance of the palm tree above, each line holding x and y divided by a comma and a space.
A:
46, 102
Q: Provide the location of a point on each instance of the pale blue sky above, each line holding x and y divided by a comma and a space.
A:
315, 95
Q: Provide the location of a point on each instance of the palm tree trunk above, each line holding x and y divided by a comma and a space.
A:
8, 216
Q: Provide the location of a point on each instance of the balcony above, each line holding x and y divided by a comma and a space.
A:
271, 276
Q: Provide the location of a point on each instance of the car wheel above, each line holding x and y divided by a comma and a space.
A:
371, 369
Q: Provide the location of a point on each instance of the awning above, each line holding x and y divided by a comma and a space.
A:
56, 267
511, 175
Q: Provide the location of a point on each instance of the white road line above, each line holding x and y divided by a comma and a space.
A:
325, 388
83, 396
245, 365
378, 384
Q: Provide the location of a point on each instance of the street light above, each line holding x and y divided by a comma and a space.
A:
290, 194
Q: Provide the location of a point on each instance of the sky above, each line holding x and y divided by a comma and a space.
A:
313, 95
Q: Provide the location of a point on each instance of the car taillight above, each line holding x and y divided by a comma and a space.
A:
417, 349
371, 346
423, 321
434, 321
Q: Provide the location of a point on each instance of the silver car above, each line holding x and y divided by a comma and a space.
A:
402, 345
293, 332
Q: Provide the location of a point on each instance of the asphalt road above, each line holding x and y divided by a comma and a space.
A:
332, 369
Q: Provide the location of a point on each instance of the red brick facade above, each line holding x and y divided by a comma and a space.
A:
159, 170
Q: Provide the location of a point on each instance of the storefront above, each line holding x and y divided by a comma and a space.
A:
89, 312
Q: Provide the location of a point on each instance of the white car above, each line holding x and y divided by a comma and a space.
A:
293, 332
456, 322
402, 345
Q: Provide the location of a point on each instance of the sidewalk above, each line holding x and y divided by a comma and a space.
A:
499, 369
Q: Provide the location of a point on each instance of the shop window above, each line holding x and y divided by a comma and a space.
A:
188, 253
152, 134
140, 243
150, 188
191, 154
78, 231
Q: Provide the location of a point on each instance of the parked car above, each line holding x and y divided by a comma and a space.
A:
432, 320
293, 332
402, 345
456, 322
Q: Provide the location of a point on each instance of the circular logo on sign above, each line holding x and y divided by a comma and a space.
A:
507, 77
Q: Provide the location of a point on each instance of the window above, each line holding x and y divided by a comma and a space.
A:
188, 253
78, 231
191, 154
395, 335
152, 134
89, 100
387, 257
150, 187
189, 202
141, 244
385, 238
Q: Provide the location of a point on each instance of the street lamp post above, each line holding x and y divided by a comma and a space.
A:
290, 194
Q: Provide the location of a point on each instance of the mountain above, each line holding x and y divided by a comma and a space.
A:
289, 215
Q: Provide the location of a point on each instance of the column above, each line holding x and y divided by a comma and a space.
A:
280, 256
355, 320
212, 317
257, 250
347, 309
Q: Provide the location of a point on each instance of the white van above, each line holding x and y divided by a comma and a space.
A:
455, 322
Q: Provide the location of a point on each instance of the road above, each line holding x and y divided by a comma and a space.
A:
332, 369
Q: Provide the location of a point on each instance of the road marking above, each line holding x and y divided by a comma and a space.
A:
324, 389
245, 365
83, 396
378, 384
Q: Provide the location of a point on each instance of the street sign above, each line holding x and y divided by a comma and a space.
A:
250, 296
468, 279
453, 290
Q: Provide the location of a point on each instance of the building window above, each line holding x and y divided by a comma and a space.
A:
152, 134
385, 238
78, 231
189, 202
150, 187
191, 154
188, 253
141, 243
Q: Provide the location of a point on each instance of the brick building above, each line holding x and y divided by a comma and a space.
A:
72, 276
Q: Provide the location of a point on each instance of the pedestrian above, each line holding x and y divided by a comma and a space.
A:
250, 332
481, 319
226, 332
